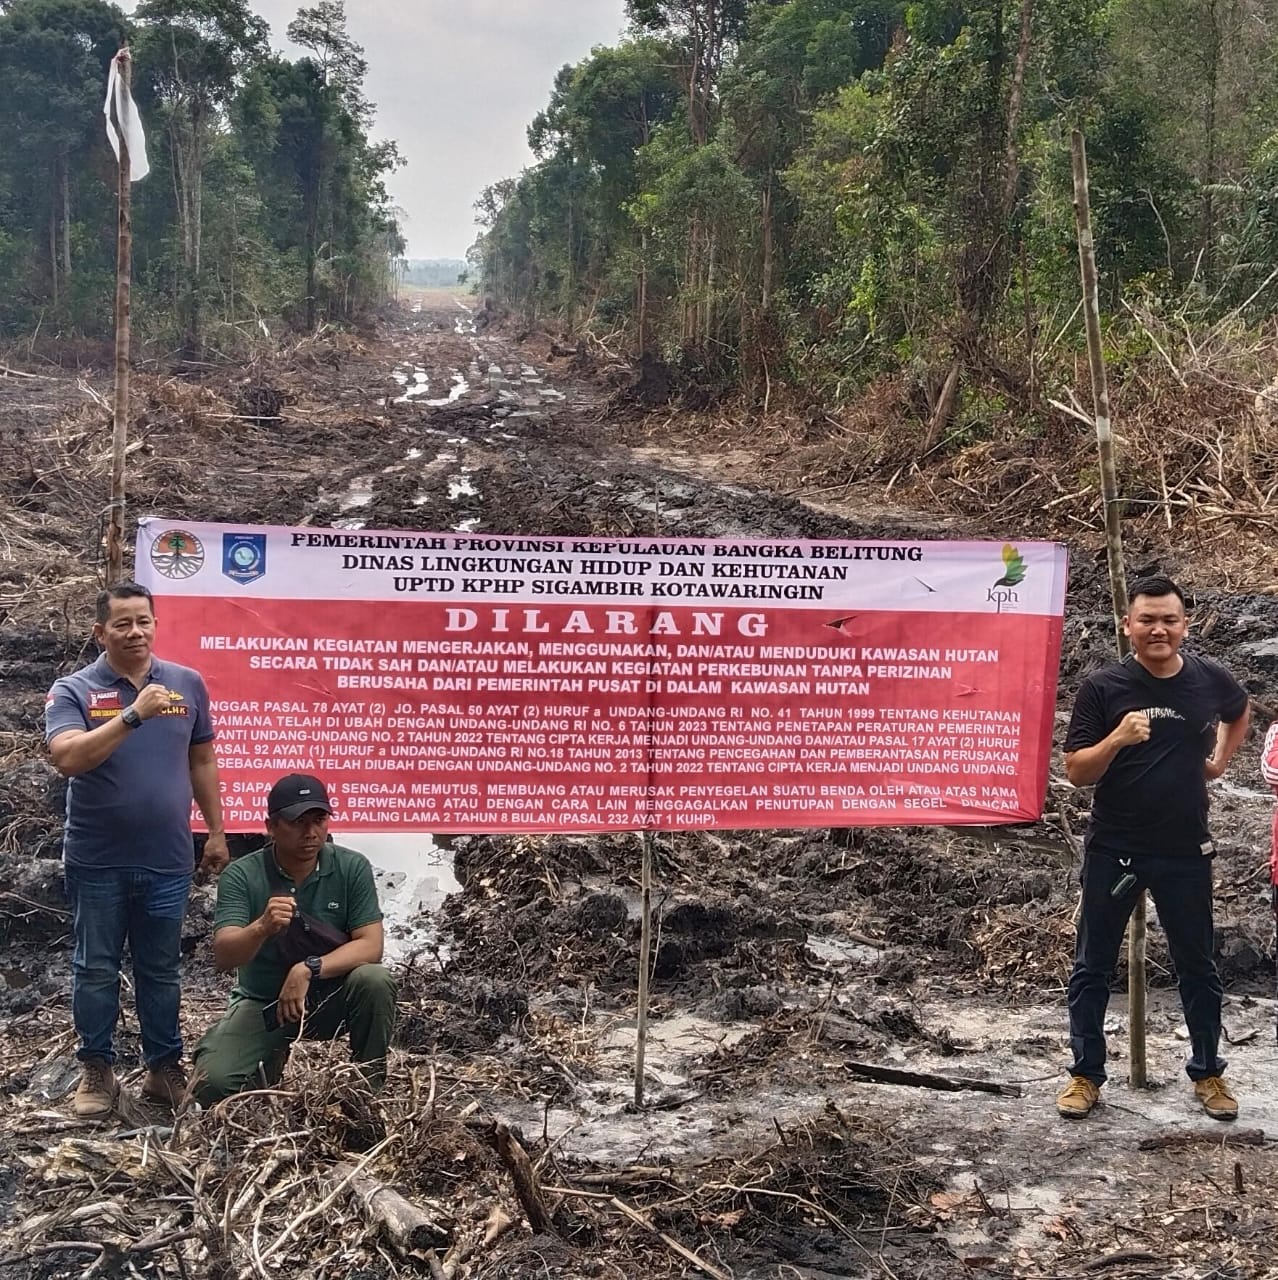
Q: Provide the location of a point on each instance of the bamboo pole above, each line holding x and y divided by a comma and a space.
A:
123, 304
1114, 555
645, 964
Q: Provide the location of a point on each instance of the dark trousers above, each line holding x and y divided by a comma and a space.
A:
240, 1052
1182, 892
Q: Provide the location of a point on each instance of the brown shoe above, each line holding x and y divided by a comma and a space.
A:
165, 1084
95, 1095
1077, 1098
1217, 1101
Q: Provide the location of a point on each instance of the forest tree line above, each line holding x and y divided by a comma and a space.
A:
265, 201
825, 191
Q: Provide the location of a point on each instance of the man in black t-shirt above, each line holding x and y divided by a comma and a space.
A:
1149, 732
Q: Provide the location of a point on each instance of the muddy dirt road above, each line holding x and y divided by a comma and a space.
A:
784, 958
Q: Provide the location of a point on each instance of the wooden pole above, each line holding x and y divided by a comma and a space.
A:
1114, 554
645, 964
123, 303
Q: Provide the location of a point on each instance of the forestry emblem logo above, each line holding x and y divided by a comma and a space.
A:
177, 554
1003, 593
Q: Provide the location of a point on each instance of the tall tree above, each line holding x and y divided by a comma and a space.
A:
54, 56
601, 113
704, 30
1217, 60
337, 86
191, 55
340, 60
304, 125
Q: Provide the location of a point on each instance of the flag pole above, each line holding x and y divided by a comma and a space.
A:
123, 307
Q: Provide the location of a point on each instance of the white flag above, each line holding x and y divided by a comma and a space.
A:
127, 114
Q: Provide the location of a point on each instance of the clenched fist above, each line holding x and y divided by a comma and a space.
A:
277, 916
1132, 728
151, 701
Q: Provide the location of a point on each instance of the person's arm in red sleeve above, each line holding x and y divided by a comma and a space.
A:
1269, 757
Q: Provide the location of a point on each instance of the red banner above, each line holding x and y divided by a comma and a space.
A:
453, 682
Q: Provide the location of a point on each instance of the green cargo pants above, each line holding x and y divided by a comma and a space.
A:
240, 1053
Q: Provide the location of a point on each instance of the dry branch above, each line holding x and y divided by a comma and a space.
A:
925, 1080
407, 1226
523, 1175
1123, 1258
633, 1214
1203, 1138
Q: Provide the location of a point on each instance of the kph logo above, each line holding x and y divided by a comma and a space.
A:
1003, 594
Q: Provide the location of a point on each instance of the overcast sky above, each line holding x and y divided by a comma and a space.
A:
456, 85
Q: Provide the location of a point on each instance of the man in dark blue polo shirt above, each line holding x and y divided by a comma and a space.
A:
134, 736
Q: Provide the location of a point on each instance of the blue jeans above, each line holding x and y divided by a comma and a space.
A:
110, 905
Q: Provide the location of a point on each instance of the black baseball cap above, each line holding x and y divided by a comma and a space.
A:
296, 794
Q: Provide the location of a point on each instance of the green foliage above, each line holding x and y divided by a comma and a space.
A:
556, 233
266, 196
835, 190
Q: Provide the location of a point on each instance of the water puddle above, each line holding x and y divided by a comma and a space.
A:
358, 494
413, 878
1242, 793
839, 953
678, 1042
456, 391
419, 387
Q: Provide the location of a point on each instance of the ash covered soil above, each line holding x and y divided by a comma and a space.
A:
784, 959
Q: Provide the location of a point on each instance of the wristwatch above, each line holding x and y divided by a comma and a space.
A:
131, 718
314, 964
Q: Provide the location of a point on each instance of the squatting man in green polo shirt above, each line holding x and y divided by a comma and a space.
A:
299, 893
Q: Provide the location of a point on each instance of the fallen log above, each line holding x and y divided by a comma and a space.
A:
524, 1176
407, 1226
1203, 1138
925, 1080
1123, 1258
